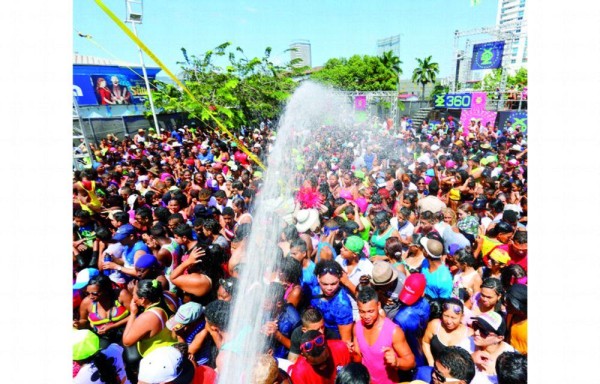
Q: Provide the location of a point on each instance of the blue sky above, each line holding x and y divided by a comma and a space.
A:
334, 28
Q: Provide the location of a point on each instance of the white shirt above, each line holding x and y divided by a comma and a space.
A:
364, 267
114, 352
406, 230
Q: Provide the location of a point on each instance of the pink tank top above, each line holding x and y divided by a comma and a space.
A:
372, 355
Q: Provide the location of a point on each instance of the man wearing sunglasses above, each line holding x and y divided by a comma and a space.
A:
320, 359
454, 365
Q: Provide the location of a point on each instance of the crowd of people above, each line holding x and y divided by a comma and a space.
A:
404, 260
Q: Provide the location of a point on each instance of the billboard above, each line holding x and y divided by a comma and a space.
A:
517, 118
487, 55
110, 85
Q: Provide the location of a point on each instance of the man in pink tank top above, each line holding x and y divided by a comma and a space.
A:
378, 342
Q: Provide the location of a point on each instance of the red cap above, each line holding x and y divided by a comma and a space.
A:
413, 289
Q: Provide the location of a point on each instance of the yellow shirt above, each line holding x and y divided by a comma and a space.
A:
518, 336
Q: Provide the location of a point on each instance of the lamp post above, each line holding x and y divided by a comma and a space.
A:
134, 16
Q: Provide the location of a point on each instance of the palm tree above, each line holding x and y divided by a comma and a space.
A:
392, 62
425, 73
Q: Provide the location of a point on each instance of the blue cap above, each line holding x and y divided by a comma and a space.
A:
146, 261
123, 232
84, 276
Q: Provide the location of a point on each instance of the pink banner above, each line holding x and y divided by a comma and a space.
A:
360, 103
478, 101
483, 115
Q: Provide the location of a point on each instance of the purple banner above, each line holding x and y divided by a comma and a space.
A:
360, 103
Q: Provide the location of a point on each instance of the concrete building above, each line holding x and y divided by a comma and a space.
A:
301, 50
512, 17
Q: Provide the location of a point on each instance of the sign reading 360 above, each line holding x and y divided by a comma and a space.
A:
453, 101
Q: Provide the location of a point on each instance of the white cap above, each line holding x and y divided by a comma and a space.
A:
143, 178
162, 365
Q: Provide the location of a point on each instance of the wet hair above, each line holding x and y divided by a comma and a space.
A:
121, 217
393, 248
328, 266
428, 215
239, 203
162, 214
398, 185
511, 368
339, 201
433, 187
353, 373
459, 363
228, 211
217, 313
105, 285
158, 230
114, 201
81, 214
467, 207
497, 205
367, 294
405, 212
351, 228
310, 316
494, 284
144, 212
465, 256
300, 244
511, 273
183, 230
212, 225
435, 309
242, 231
380, 218
520, 237
291, 269
148, 289
103, 234
275, 293
291, 233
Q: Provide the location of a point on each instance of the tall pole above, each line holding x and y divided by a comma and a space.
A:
156, 126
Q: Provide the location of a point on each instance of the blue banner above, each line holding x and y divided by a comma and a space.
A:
453, 101
110, 85
487, 55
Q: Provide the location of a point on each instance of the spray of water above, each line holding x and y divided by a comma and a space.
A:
310, 109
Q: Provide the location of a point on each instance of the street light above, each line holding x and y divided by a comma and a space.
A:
134, 16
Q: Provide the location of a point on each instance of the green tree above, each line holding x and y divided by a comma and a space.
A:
392, 62
358, 73
425, 73
439, 89
492, 80
243, 91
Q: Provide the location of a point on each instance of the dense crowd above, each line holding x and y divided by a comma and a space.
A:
404, 260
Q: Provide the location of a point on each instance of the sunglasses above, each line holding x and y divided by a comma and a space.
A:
482, 332
437, 375
94, 293
332, 271
308, 346
454, 307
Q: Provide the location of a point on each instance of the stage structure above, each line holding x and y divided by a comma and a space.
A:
485, 42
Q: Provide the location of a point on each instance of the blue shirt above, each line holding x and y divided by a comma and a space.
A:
413, 321
206, 158
287, 321
336, 310
439, 283
129, 251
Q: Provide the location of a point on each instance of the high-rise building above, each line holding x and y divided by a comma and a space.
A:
512, 17
300, 49
391, 43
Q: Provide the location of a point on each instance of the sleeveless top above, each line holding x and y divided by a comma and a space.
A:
378, 241
459, 283
173, 248
372, 355
161, 339
116, 313
437, 346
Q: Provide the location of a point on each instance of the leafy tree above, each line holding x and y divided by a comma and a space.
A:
358, 73
439, 89
492, 80
425, 73
240, 93
391, 61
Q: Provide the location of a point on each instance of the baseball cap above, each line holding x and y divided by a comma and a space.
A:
84, 276
124, 231
433, 248
359, 175
147, 261
414, 287
383, 273
166, 364
85, 344
354, 244
492, 322
187, 313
